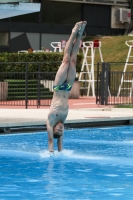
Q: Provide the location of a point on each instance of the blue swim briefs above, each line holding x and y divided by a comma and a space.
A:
65, 86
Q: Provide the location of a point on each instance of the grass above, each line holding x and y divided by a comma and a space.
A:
123, 106
113, 48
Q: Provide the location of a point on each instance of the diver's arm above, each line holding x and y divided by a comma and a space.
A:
59, 142
50, 137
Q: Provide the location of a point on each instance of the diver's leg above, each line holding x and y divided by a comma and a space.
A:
62, 72
73, 59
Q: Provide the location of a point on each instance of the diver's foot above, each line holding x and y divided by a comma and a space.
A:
77, 27
81, 30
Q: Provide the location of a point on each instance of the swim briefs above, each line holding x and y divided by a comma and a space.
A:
65, 86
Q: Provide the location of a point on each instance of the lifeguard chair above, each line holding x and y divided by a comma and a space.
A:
86, 75
123, 80
58, 46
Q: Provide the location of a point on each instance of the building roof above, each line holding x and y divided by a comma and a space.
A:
13, 1
12, 10
122, 3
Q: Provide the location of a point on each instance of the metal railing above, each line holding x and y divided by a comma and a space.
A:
28, 84
114, 87
25, 84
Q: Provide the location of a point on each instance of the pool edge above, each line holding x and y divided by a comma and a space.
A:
41, 125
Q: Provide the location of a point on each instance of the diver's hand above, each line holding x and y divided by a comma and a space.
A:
51, 153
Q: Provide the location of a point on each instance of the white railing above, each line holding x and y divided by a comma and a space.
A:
105, 2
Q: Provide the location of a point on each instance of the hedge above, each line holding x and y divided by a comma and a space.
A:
49, 62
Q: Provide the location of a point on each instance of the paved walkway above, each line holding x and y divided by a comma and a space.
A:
83, 110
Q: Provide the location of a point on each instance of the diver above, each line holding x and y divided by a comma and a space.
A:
64, 80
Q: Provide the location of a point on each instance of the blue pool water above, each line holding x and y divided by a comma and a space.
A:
96, 163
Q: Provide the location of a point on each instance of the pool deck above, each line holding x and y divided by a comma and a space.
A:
83, 112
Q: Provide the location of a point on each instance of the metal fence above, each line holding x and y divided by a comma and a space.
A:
28, 84
114, 84
25, 84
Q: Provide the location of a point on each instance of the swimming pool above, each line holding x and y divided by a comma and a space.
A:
96, 163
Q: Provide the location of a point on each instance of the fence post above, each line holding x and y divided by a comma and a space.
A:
38, 86
97, 84
104, 80
26, 86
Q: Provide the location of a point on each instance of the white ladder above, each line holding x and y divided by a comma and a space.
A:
87, 68
130, 45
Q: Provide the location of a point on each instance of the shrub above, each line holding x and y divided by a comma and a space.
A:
48, 62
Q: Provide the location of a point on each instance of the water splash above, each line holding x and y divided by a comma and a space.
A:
69, 155
64, 153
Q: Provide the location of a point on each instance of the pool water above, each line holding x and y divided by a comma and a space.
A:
96, 163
